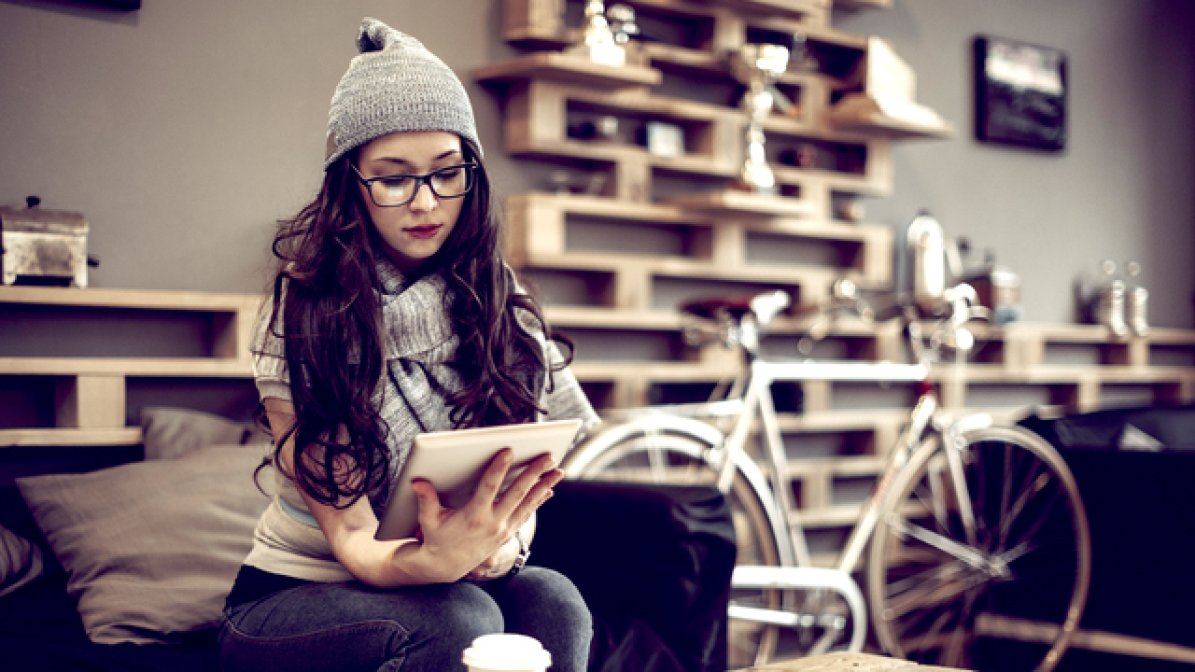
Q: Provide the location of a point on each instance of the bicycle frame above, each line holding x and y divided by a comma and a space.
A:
737, 434
749, 398
757, 401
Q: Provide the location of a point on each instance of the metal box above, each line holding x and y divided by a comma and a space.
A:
43, 247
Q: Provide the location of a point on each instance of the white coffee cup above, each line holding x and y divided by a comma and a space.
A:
504, 652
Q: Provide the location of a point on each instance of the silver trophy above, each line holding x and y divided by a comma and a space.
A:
1136, 310
1109, 302
622, 23
598, 40
758, 66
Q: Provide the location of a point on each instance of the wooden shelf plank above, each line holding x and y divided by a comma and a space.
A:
735, 202
678, 267
1069, 374
828, 517
189, 367
1094, 334
600, 207
140, 299
612, 319
568, 68
858, 113
692, 164
652, 106
120, 436
796, 8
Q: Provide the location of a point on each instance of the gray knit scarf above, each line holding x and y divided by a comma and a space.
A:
419, 346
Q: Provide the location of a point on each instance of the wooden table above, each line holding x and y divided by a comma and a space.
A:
851, 662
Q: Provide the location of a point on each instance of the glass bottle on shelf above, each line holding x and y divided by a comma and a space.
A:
1110, 309
1136, 301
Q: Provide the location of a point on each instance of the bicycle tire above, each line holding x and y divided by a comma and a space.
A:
681, 449
1016, 604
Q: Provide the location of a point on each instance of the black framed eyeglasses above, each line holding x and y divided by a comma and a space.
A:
391, 191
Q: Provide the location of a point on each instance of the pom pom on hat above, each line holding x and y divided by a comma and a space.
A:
395, 84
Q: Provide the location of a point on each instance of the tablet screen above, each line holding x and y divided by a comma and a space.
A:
454, 460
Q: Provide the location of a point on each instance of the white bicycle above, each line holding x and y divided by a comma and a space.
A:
976, 540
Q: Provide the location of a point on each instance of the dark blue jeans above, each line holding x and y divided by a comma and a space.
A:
345, 627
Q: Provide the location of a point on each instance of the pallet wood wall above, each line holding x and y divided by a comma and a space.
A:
614, 257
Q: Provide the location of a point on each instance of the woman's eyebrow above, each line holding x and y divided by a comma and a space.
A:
403, 164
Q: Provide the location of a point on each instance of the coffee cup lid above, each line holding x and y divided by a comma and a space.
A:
503, 651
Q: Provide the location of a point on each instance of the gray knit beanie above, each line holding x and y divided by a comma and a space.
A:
395, 84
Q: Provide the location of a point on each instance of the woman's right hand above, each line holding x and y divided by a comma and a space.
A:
455, 541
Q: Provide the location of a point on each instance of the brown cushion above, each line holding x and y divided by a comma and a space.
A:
151, 548
173, 432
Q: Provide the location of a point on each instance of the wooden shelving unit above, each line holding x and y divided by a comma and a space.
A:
76, 382
708, 235
613, 263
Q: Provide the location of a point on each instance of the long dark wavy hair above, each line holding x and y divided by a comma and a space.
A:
326, 289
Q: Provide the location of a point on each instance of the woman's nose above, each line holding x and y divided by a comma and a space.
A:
424, 198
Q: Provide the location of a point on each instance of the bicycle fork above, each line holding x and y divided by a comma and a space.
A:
919, 422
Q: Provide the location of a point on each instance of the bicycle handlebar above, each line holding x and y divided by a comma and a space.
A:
950, 333
738, 322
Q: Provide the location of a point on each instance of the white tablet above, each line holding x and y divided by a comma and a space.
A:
454, 460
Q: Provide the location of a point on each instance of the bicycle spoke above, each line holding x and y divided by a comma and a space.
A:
972, 556
1023, 545
934, 572
937, 586
930, 639
956, 653
931, 586
1010, 515
933, 503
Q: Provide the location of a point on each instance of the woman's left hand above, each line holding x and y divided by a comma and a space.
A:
500, 563
458, 542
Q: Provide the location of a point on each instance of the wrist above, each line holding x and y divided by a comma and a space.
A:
425, 566
520, 560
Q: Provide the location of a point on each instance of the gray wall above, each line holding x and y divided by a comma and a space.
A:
1125, 186
184, 130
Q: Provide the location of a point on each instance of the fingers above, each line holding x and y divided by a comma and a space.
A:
428, 501
494, 475
529, 491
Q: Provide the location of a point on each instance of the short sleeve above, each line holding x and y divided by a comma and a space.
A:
268, 354
563, 397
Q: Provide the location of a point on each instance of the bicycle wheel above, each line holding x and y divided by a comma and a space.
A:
1005, 592
679, 453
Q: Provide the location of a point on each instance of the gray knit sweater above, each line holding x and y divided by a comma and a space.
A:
419, 346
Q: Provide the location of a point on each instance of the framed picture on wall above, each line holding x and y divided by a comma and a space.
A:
1020, 94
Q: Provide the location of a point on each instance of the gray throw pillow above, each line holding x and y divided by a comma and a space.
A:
173, 432
151, 548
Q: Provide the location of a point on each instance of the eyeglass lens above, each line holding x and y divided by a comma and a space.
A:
449, 182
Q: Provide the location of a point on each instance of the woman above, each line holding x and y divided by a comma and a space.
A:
394, 313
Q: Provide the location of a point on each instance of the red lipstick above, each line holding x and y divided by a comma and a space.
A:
423, 232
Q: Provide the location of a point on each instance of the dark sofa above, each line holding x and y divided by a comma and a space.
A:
1135, 468
654, 563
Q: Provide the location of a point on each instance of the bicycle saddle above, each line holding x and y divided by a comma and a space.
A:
711, 308
764, 305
